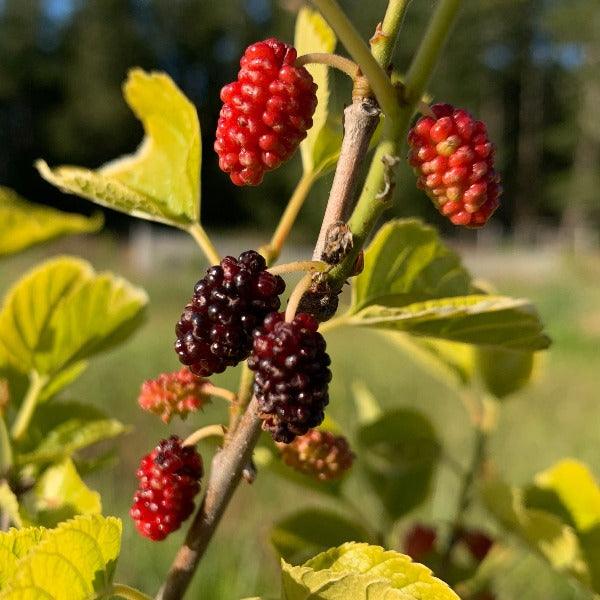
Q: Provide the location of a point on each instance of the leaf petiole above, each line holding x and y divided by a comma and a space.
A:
36, 385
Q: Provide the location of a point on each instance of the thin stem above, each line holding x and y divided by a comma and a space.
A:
427, 55
220, 392
296, 296
272, 251
124, 591
244, 396
384, 40
293, 267
378, 80
203, 433
341, 63
199, 234
466, 489
36, 385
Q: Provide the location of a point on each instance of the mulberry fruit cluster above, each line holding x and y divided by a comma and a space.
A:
215, 329
292, 375
178, 393
266, 112
454, 161
169, 478
318, 454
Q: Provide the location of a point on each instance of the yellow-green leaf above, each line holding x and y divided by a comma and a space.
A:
14, 545
24, 224
62, 312
321, 147
407, 262
159, 182
362, 572
544, 532
60, 494
75, 561
475, 319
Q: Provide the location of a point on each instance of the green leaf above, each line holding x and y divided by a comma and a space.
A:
450, 362
62, 428
61, 494
321, 148
75, 561
504, 372
299, 536
62, 312
362, 572
161, 181
475, 319
407, 263
543, 532
267, 457
23, 224
9, 505
399, 453
62, 379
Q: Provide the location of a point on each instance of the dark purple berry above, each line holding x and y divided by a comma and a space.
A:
215, 329
292, 375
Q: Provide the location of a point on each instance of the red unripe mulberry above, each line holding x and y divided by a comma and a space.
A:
454, 162
169, 479
266, 112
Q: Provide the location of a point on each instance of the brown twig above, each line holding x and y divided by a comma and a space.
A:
360, 120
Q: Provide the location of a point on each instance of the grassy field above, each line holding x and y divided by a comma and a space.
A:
557, 416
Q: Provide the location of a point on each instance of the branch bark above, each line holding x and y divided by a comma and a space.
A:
360, 120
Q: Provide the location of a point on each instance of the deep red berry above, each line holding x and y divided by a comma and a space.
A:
169, 478
318, 454
292, 375
177, 393
215, 329
454, 162
266, 112
478, 542
419, 541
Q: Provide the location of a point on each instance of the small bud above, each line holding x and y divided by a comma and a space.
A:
318, 454
320, 301
338, 242
4, 395
177, 393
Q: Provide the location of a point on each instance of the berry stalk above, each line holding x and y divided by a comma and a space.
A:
204, 242
345, 65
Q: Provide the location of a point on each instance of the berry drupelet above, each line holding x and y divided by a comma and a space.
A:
292, 375
454, 161
215, 329
266, 112
319, 454
177, 393
169, 479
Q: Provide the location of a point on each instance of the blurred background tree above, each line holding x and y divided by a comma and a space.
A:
529, 68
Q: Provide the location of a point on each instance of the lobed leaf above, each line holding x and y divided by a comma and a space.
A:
161, 180
62, 312
321, 148
362, 572
24, 224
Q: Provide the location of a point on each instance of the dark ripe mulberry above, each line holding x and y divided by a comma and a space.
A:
266, 112
319, 454
453, 159
169, 479
215, 329
419, 541
292, 375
